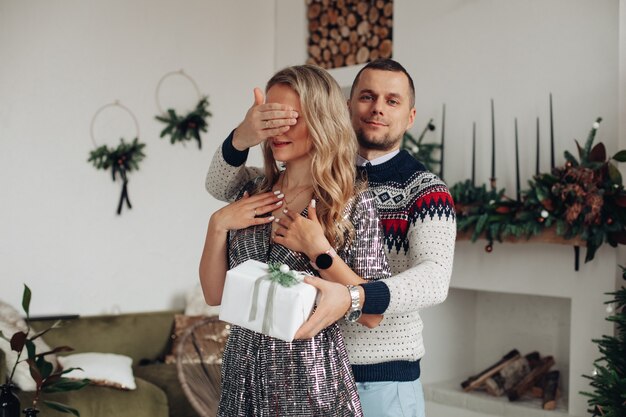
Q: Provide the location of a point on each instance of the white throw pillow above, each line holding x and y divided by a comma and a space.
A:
106, 369
12, 322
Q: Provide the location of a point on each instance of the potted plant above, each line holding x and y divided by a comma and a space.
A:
47, 379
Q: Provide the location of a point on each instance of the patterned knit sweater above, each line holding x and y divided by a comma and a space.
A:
419, 223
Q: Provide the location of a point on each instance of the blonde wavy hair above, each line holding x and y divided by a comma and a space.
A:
324, 110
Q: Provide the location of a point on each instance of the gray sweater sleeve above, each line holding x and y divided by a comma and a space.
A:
228, 173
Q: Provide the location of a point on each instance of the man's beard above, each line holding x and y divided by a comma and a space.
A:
384, 144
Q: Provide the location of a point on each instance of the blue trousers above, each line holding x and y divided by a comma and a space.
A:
392, 399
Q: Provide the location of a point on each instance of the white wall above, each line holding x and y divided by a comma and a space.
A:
61, 61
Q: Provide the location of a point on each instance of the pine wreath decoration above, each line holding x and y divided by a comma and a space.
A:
609, 377
188, 127
121, 160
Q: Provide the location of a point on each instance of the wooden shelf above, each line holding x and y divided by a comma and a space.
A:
547, 236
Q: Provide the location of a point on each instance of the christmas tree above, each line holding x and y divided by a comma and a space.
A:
609, 376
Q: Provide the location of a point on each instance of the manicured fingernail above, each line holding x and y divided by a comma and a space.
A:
285, 211
277, 192
292, 121
281, 195
279, 203
294, 114
313, 203
277, 220
245, 193
272, 218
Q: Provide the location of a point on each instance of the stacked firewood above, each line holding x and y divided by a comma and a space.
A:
515, 376
349, 32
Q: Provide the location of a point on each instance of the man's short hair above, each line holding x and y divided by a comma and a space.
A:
386, 65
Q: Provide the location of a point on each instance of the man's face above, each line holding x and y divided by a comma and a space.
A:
381, 111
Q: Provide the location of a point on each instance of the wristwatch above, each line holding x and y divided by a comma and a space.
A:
324, 260
354, 313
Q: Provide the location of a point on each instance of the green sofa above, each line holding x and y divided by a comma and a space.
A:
146, 338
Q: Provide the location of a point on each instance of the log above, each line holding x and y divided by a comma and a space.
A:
338, 61
314, 10
326, 55
388, 9
385, 48
362, 8
344, 48
529, 380
362, 55
550, 390
477, 380
373, 15
351, 20
507, 377
363, 28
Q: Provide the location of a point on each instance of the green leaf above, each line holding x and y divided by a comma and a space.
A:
18, 340
571, 158
61, 407
45, 367
26, 299
598, 153
34, 372
614, 174
480, 225
620, 156
30, 347
66, 384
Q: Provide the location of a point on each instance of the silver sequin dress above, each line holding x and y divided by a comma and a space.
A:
263, 376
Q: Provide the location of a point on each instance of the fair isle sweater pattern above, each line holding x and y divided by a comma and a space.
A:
401, 206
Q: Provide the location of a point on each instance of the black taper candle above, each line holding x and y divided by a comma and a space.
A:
443, 131
493, 148
473, 154
538, 146
517, 181
551, 136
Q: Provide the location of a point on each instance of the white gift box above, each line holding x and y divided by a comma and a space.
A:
251, 300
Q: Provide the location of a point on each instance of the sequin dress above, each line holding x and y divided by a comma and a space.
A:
263, 376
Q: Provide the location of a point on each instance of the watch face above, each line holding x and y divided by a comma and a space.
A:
353, 315
324, 261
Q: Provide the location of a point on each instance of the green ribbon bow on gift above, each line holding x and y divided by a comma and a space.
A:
278, 274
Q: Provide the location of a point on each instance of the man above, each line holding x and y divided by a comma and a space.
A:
419, 225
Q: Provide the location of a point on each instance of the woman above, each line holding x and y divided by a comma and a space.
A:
261, 375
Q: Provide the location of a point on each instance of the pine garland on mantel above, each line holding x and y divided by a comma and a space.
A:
582, 201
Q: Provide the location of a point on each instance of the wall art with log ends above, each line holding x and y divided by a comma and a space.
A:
349, 32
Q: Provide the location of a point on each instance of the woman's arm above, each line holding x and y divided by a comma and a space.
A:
213, 263
238, 215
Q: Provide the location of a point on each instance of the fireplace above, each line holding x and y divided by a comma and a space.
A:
522, 296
